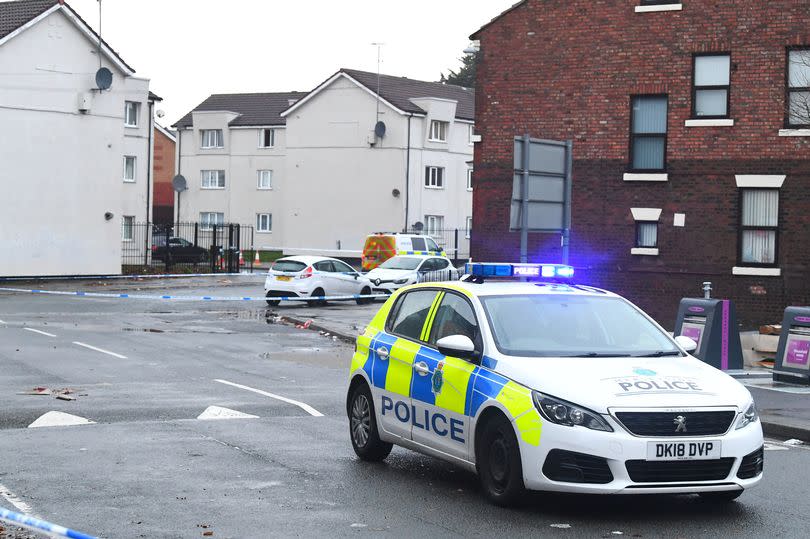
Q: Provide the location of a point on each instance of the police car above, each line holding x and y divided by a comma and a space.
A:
550, 386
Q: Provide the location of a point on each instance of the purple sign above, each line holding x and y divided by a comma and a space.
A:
696, 310
798, 353
804, 319
692, 332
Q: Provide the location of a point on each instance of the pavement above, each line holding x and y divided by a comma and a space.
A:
145, 372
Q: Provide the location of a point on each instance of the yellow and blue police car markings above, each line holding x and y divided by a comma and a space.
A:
422, 386
379, 366
487, 385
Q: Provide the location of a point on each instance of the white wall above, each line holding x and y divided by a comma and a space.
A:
62, 170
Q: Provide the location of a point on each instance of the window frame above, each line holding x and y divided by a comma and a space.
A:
470, 178
134, 169
789, 89
444, 129
259, 180
427, 228
221, 139
637, 244
202, 179
209, 226
633, 136
429, 183
742, 228
389, 323
269, 228
131, 227
468, 227
272, 138
137, 106
696, 88
659, 2
478, 341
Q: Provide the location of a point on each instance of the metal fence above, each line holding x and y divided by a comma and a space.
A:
184, 247
454, 241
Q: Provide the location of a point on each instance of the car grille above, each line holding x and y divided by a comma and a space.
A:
752, 464
643, 471
570, 467
664, 423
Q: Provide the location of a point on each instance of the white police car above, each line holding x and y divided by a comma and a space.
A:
548, 386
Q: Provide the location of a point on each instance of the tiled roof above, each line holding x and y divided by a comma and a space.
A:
254, 109
400, 90
15, 14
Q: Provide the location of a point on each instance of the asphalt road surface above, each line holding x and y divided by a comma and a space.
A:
144, 371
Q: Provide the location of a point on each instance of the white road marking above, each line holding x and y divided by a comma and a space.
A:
113, 354
59, 419
2, 322
12, 498
40, 332
218, 412
306, 407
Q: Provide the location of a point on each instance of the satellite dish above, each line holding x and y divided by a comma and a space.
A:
104, 78
379, 129
179, 183
418, 226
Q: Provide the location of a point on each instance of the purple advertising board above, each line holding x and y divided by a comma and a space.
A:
797, 354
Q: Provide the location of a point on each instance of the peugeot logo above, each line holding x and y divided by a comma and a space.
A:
680, 423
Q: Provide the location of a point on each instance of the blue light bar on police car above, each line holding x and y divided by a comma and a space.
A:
547, 271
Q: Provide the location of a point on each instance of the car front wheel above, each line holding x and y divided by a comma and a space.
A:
498, 462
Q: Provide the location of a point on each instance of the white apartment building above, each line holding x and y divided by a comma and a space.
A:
333, 179
75, 159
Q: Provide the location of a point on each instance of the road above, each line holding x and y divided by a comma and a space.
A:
144, 371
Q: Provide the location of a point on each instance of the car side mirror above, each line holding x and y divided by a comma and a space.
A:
686, 343
457, 346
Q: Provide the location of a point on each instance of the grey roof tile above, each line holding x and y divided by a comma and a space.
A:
254, 109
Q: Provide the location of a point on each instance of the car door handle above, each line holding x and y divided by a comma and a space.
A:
383, 352
421, 368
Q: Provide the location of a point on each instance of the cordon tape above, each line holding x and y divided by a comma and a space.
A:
38, 525
145, 276
82, 294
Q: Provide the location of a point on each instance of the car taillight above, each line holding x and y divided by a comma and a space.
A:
307, 273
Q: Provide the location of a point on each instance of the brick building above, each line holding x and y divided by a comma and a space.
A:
691, 132
163, 172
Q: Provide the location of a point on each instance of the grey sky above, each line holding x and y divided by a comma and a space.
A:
192, 48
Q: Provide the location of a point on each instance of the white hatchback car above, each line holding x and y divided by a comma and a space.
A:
400, 271
313, 277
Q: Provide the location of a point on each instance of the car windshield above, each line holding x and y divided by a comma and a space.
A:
401, 263
289, 266
561, 325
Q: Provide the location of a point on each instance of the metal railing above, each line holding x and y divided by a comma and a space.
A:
454, 241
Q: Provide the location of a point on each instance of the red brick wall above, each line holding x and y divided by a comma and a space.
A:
565, 69
163, 172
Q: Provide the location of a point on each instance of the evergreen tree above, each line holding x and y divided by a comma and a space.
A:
465, 76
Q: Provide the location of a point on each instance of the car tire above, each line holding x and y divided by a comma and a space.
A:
272, 302
317, 302
363, 427
725, 496
365, 292
498, 462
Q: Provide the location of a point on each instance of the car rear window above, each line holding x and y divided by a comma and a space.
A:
289, 266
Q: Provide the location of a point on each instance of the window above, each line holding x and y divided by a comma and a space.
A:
470, 135
213, 179
131, 112
418, 244
264, 222
128, 227
711, 79
411, 312
468, 228
646, 234
454, 316
209, 219
434, 225
434, 177
798, 94
211, 138
759, 227
129, 168
438, 131
648, 138
342, 267
432, 245
267, 138
469, 179
265, 179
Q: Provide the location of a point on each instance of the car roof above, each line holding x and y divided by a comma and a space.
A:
307, 259
518, 288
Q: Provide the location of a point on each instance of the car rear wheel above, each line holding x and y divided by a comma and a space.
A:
318, 292
498, 462
363, 427
724, 496
365, 292
272, 302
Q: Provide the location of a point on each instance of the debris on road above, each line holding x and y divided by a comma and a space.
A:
65, 394
794, 441
560, 526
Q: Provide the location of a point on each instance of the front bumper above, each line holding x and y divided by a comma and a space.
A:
625, 455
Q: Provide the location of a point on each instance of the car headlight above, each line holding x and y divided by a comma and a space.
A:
568, 414
750, 416
401, 281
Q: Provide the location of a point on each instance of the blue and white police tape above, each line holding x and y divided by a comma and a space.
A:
121, 277
113, 295
38, 525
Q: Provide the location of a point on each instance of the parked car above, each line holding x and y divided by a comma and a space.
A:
380, 247
308, 277
400, 271
179, 249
